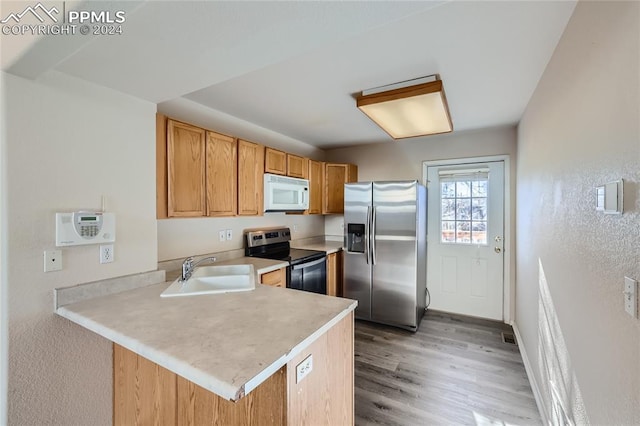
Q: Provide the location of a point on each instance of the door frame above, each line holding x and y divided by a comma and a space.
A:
509, 260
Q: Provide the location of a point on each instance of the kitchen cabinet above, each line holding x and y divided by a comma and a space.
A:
277, 278
297, 166
275, 162
335, 176
146, 393
186, 170
250, 178
316, 186
334, 274
221, 175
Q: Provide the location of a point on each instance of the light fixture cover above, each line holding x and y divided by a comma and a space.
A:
409, 111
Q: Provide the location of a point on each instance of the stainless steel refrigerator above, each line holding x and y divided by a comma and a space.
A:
385, 250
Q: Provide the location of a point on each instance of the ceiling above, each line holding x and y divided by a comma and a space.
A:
293, 67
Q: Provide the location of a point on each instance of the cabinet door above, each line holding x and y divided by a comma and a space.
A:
277, 278
336, 175
186, 169
297, 166
250, 178
222, 172
316, 181
275, 162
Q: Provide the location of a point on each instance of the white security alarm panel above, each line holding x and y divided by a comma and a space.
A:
79, 228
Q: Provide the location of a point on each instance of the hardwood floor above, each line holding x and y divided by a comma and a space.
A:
454, 371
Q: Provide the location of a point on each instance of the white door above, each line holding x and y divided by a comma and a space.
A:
465, 251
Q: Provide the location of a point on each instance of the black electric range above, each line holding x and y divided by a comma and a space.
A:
307, 268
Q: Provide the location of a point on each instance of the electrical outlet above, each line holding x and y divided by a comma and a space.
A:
304, 368
631, 296
52, 260
106, 253
229, 234
222, 235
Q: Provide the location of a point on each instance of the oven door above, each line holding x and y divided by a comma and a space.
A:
309, 276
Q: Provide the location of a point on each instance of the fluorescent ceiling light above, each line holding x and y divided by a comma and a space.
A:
406, 112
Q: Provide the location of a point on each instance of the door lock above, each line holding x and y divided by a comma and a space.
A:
498, 239
498, 250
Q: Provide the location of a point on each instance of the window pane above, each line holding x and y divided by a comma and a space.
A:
479, 232
448, 209
448, 232
448, 189
463, 232
463, 189
463, 209
479, 188
479, 209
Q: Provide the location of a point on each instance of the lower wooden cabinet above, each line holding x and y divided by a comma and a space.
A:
334, 274
145, 393
277, 278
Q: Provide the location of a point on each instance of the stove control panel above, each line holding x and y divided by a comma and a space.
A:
267, 236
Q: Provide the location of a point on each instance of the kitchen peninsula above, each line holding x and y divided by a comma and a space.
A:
267, 356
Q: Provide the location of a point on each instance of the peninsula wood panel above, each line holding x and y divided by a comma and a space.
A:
277, 278
297, 166
143, 392
334, 274
316, 186
275, 162
222, 175
336, 175
325, 396
250, 178
265, 405
186, 169
161, 167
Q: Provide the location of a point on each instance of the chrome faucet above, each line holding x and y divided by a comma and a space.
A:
188, 266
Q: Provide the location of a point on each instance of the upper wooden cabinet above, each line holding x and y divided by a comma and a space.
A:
275, 161
221, 178
250, 178
297, 166
335, 176
186, 169
316, 186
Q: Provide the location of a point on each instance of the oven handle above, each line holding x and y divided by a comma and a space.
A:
308, 264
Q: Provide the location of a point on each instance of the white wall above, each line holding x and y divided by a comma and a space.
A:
68, 143
580, 130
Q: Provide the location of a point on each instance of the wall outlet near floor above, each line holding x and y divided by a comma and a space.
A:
304, 368
106, 253
229, 234
52, 260
222, 235
631, 296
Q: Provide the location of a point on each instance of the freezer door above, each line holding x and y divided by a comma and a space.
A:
393, 253
357, 265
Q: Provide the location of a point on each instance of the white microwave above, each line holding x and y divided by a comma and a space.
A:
285, 194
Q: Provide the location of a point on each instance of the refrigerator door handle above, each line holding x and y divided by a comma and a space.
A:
373, 236
366, 235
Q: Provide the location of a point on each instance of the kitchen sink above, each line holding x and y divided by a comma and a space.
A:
214, 280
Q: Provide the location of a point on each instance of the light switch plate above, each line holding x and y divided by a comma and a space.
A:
229, 234
304, 368
631, 296
52, 260
222, 235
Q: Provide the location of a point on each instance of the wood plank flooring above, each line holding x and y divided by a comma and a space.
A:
454, 371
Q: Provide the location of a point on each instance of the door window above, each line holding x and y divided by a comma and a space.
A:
463, 212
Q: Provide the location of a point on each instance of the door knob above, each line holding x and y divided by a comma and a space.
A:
498, 250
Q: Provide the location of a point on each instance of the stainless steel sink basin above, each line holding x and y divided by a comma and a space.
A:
213, 280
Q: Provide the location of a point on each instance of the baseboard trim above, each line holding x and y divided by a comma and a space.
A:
532, 378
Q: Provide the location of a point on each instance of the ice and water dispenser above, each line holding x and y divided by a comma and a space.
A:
355, 237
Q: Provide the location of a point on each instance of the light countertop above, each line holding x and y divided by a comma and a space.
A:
226, 343
327, 246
